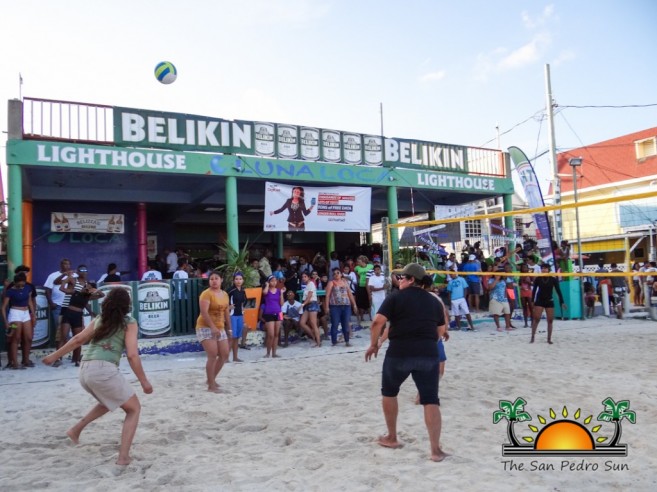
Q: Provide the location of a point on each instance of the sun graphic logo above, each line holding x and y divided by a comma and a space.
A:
564, 436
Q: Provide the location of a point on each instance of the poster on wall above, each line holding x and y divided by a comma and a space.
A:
91, 223
154, 308
41, 334
304, 208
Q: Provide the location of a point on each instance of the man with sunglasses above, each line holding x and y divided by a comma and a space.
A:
415, 316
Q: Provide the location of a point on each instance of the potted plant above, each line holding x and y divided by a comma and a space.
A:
238, 261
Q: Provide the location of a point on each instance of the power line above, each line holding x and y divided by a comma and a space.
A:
610, 106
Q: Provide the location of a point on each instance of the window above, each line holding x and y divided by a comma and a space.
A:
645, 148
472, 228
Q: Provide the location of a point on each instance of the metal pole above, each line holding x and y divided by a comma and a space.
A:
580, 261
556, 181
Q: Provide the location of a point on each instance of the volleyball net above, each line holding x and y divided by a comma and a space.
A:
612, 225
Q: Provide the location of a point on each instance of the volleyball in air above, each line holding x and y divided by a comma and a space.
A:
166, 72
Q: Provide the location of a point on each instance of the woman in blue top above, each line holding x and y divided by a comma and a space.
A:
109, 335
19, 321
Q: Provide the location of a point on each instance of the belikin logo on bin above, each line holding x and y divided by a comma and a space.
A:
564, 435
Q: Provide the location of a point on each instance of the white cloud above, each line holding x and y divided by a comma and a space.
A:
527, 54
564, 56
534, 22
433, 76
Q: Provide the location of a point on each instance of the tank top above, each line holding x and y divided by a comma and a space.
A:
108, 349
339, 295
272, 302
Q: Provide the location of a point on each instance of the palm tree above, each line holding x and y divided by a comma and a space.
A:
513, 412
615, 412
236, 261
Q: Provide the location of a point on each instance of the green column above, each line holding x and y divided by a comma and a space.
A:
330, 243
279, 245
232, 231
393, 217
14, 218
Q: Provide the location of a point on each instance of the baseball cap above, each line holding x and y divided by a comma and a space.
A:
414, 270
472, 257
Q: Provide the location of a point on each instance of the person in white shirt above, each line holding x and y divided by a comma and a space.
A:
172, 262
292, 310
152, 273
377, 285
180, 277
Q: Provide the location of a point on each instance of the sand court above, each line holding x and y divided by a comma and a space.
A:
310, 420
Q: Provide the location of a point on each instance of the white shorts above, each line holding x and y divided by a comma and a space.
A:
203, 334
104, 381
497, 308
460, 307
19, 316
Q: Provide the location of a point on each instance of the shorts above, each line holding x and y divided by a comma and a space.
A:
460, 307
103, 380
19, 316
362, 298
312, 307
590, 301
474, 287
206, 334
423, 370
270, 317
545, 304
497, 308
73, 318
442, 356
237, 325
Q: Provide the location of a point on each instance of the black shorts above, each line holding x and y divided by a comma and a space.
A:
362, 298
423, 370
270, 317
545, 304
73, 318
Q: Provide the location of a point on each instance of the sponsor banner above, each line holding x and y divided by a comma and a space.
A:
41, 333
309, 143
296, 209
178, 131
107, 288
451, 231
154, 300
56, 154
352, 148
373, 150
288, 141
84, 222
331, 146
534, 200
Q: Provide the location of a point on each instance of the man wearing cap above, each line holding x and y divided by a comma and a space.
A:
474, 281
414, 316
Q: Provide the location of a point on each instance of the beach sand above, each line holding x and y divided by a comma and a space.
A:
309, 421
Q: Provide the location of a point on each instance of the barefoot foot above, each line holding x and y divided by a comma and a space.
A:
73, 436
388, 442
123, 461
439, 456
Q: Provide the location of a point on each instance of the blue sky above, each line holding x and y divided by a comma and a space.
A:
445, 71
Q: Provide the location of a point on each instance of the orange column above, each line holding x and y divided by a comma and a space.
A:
27, 238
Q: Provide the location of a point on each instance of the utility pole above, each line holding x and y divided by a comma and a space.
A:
556, 180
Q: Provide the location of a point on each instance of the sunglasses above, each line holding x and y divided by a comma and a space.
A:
82, 270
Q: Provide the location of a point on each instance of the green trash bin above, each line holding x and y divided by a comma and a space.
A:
572, 296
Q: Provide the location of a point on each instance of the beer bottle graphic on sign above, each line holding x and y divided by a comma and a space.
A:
110, 225
118, 224
57, 223
65, 224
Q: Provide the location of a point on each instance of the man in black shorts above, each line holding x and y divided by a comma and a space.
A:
414, 316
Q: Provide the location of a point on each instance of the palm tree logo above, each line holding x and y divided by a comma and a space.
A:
512, 412
615, 412
564, 436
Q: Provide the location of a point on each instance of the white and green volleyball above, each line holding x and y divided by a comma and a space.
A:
166, 72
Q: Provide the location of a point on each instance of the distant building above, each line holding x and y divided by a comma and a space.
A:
621, 166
